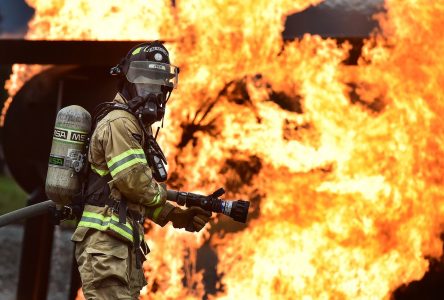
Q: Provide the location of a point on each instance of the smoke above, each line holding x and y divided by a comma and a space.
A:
337, 18
10, 35
354, 5
14, 17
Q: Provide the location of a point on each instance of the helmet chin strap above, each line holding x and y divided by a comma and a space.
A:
166, 91
166, 94
157, 132
163, 118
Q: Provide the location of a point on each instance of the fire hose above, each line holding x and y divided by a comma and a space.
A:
237, 210
27, 212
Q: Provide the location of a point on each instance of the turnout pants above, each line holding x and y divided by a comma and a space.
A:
107, 267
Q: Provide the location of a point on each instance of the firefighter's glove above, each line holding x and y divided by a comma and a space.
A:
192, 219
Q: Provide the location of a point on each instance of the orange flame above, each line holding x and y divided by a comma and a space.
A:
348, 190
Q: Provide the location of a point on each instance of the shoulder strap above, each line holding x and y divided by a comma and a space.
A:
96, 183
88, 187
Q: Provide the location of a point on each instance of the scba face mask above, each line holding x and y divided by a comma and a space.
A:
153, 108
153, 83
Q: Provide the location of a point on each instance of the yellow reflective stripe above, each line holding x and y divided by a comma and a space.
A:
92, 225
105, 227
126, 160
123, 155
156, 213
157, 199
104, 222
107, 221
98, 171
101, 217
137, 51
121, 232
128, 164
93, 215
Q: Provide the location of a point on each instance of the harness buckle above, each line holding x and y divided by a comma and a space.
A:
116, 207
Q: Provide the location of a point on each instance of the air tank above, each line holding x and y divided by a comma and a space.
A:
72, 126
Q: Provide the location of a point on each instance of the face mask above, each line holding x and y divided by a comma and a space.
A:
153, 108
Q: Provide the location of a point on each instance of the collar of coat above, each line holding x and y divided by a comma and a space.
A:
119, 98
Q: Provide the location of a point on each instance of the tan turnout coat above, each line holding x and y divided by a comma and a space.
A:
103, 245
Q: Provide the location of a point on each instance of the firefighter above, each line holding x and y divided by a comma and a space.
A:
122, 188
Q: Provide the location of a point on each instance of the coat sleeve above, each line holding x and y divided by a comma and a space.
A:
159, 215
128, 166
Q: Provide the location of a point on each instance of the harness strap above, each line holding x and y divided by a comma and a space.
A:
98, 193
96, 183
136, 238
122, 211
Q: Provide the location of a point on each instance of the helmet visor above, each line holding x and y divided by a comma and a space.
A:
152, 73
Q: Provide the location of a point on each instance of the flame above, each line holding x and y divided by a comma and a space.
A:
344, 164
365, 227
